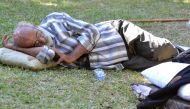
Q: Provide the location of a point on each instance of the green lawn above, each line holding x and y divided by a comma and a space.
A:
77, 88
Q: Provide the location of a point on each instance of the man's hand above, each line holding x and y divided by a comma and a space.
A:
62, 56
6, 43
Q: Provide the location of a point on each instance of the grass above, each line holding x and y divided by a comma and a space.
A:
77, 88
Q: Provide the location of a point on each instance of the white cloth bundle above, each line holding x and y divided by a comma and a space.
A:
160, 75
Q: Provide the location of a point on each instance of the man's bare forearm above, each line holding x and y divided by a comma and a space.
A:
30, 51
73, 56
78, 52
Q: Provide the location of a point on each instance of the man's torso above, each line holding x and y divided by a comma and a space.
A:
109, 50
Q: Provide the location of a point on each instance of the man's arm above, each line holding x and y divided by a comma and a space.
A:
86, 33
73, 56
30, 51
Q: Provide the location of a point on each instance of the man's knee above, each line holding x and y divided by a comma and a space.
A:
155, 48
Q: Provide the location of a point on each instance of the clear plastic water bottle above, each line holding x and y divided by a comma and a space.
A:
100, 74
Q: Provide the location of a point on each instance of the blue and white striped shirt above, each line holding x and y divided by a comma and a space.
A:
106, 48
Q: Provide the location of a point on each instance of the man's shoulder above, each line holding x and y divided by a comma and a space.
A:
57, 14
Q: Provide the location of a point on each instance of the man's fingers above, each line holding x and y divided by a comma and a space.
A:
59, 61
57, 51
61, 55
5, 38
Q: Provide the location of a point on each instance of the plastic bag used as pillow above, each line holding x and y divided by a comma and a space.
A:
15, 58
184, 92
161, 74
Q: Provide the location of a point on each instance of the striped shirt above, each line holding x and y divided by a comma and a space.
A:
104, 44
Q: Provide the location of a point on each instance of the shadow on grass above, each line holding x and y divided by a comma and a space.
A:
58, 3
182, 1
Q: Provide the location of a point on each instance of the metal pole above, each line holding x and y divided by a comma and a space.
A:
161, 20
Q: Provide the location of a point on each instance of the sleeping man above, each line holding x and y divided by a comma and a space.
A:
114, 44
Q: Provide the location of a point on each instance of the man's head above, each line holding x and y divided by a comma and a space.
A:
27, 35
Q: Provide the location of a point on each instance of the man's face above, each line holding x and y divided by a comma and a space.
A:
27, 37
40, 38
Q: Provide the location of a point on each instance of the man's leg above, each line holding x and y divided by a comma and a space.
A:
144, 49
143, 43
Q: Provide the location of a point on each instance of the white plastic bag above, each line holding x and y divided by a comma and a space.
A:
184, 92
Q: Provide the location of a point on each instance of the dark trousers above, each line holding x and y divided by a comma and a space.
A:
144, 49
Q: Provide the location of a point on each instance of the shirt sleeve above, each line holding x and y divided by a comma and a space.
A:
66, 26
45, 55
88, 33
